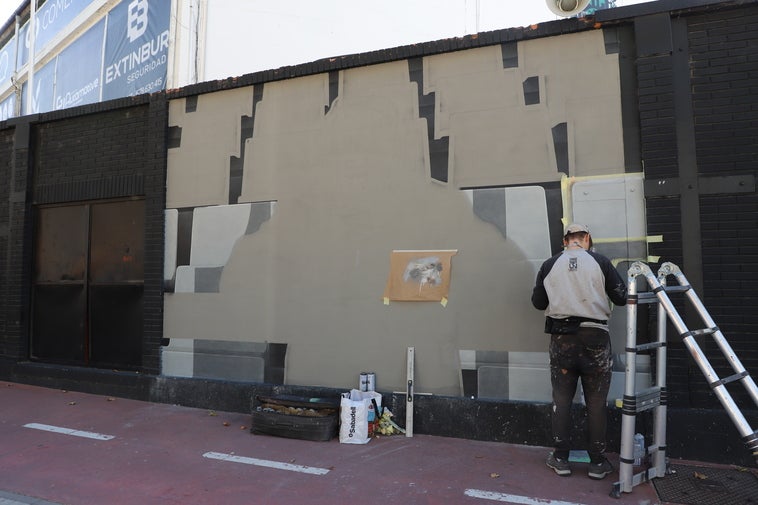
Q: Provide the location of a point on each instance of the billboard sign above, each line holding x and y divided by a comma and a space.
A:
78, 74
8, 107
136, 48
51, 18
7, 65
44, 84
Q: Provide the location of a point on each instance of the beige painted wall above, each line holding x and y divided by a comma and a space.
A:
353, 184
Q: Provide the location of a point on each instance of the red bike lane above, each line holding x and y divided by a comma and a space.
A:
80, 449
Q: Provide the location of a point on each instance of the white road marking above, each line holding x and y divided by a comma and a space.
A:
266, 463
17, 499
512, 498
68, 431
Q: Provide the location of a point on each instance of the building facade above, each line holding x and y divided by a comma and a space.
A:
289, 229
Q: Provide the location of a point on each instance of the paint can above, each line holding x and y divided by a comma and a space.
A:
370, 381
363, 382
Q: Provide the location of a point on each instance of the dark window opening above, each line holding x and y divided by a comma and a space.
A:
88, 284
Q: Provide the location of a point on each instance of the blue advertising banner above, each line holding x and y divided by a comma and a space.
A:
53, 16
136, 48
8, 108
78, 72
7, 65
44, 82
23, 48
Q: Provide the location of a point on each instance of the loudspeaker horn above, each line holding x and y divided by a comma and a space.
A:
567, 8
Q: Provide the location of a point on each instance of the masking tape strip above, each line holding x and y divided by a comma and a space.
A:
649, 239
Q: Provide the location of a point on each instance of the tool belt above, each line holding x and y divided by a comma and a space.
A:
568, 325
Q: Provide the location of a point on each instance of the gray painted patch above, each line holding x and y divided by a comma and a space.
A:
489, 206
560, 143
531, 86
510, 54
236, 162
174, 138
492, 382
611, 40
333, 89
492, 357
230, 347
190, 104
208, 279
439, 149
184, 237
221, 366
259, 214
235, 360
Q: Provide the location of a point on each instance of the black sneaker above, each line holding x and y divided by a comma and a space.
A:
600, 470
561, 466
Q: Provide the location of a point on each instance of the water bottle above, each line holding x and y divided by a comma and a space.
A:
639, 448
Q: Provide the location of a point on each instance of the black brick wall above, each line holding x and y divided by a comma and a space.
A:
90, 157
723, 71
16, 289
6, 158
110, 150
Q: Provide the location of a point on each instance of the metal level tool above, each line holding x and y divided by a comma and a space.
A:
409, 393
634, 402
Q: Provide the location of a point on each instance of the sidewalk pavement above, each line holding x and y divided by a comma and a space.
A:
64, 447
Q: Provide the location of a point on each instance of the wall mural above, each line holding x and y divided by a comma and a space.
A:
285, 199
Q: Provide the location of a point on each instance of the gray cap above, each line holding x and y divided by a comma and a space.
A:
576, 228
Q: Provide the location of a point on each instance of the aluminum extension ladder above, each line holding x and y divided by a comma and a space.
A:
655, 464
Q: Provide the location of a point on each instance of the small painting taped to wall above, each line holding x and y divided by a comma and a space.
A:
419, 276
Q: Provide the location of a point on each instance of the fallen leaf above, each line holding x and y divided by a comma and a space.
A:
72, 403
211, 413
243, 427
111, 399
226, 423
494, 475
700, 475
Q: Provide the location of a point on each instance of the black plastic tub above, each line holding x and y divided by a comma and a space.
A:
304, 418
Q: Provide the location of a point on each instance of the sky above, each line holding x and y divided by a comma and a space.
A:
273, 33
268, 34
6, 9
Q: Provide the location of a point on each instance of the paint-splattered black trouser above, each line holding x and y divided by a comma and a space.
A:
586, 355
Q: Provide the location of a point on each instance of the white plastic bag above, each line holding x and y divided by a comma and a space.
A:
355, 407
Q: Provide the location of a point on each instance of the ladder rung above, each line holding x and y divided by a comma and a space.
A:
697, 333
643, 400
727, 380
644, 297
645, 347
653, 295
678, 289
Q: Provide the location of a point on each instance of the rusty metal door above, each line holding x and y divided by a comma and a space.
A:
88, 284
